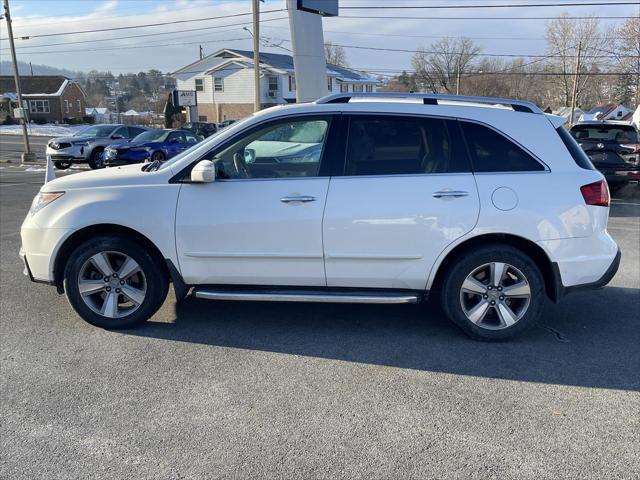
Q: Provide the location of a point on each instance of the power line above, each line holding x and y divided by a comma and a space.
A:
511, 5
157, 24
386, 17
145, 35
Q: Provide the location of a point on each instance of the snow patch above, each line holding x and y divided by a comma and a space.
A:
47, 130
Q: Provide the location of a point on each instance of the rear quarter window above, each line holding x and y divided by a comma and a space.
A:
575, 150
493, 152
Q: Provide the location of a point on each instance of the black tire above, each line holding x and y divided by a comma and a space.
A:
158, 156
451, 295
95, 161
156, 281
62, 165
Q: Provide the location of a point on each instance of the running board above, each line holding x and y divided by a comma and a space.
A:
306, 296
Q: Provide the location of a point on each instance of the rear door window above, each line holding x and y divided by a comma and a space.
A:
581, 158
396, 145
493, 152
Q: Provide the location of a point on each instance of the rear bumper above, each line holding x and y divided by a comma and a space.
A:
561, 290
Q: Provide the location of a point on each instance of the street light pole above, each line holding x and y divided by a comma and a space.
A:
256, 54
27, 156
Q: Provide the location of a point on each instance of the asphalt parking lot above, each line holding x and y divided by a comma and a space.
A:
251, 390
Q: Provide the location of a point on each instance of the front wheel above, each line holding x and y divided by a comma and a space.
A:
62, 165
114, 283
493, 293
95, 160
158, 157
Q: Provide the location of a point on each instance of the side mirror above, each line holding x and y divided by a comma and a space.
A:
173, 140
203, 172
117, 136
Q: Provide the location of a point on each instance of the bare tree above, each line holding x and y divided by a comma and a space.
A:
627, 52
441, 66
572, 43
335, 55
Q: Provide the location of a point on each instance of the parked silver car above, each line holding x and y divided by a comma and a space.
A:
87, 145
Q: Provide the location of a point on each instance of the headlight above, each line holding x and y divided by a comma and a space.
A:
42, 199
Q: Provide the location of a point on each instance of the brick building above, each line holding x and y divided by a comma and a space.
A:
48, 98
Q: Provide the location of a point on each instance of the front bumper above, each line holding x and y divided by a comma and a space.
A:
74, 153
39, 249
125, 158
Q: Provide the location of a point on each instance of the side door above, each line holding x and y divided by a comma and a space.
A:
175, 143
260, 221
407, 191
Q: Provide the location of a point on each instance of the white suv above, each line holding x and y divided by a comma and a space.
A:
488, 204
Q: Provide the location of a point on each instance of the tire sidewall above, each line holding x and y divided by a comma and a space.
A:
157, 283
466, 264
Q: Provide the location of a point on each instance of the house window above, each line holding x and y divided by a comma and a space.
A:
79, 106
330, 83
358, 88
39, 106
202, 118
218, 84
66, 106
273, 84
292, 83
344, 87
199, 85
369, 88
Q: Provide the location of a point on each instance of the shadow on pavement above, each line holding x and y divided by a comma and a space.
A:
591, 339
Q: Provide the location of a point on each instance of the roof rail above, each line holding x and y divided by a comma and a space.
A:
433, 99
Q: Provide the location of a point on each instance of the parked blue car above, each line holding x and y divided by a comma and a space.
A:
151, 145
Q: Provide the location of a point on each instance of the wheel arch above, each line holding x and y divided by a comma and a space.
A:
83, 234
552, 282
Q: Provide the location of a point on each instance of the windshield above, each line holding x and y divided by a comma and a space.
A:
605, 133
96, 131
152, 136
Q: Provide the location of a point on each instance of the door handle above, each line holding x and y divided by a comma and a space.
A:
449, 193
298, 198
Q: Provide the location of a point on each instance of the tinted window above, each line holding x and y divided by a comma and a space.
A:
384, 145
576, 152
284, 149
493, 152
124, 131
134, 131
605, 133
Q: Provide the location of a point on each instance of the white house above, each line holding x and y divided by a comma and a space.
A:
224, 82
101, 114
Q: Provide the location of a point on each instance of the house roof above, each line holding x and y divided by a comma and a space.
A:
271, 61
35, 86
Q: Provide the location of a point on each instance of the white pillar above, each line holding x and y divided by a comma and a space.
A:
308, 54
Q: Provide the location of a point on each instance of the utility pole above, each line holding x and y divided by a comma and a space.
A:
256, 54
574, 96
458, 76
201, 54
27, 156
31, 68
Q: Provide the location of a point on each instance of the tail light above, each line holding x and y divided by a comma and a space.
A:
634, 147
596, 193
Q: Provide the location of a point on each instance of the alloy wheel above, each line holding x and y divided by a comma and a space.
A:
495, 295
112, 284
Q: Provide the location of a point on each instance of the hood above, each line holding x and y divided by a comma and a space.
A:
122, 145
77, 138
128, 175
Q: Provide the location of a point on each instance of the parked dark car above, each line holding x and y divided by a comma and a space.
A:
151, 145
203, 129
613, 148
226, 123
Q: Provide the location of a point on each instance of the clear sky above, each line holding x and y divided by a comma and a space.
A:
169, 47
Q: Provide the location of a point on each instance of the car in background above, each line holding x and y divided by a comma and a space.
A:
86, 146
613, 148
202, 129
226, 123
152, 145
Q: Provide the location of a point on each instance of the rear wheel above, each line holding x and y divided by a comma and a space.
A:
493, 293
115, 283
95, 160
62, 165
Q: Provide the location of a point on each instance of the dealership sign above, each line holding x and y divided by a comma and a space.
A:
184, 98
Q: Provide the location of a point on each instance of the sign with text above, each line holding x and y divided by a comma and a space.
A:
184, 98
326, 8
